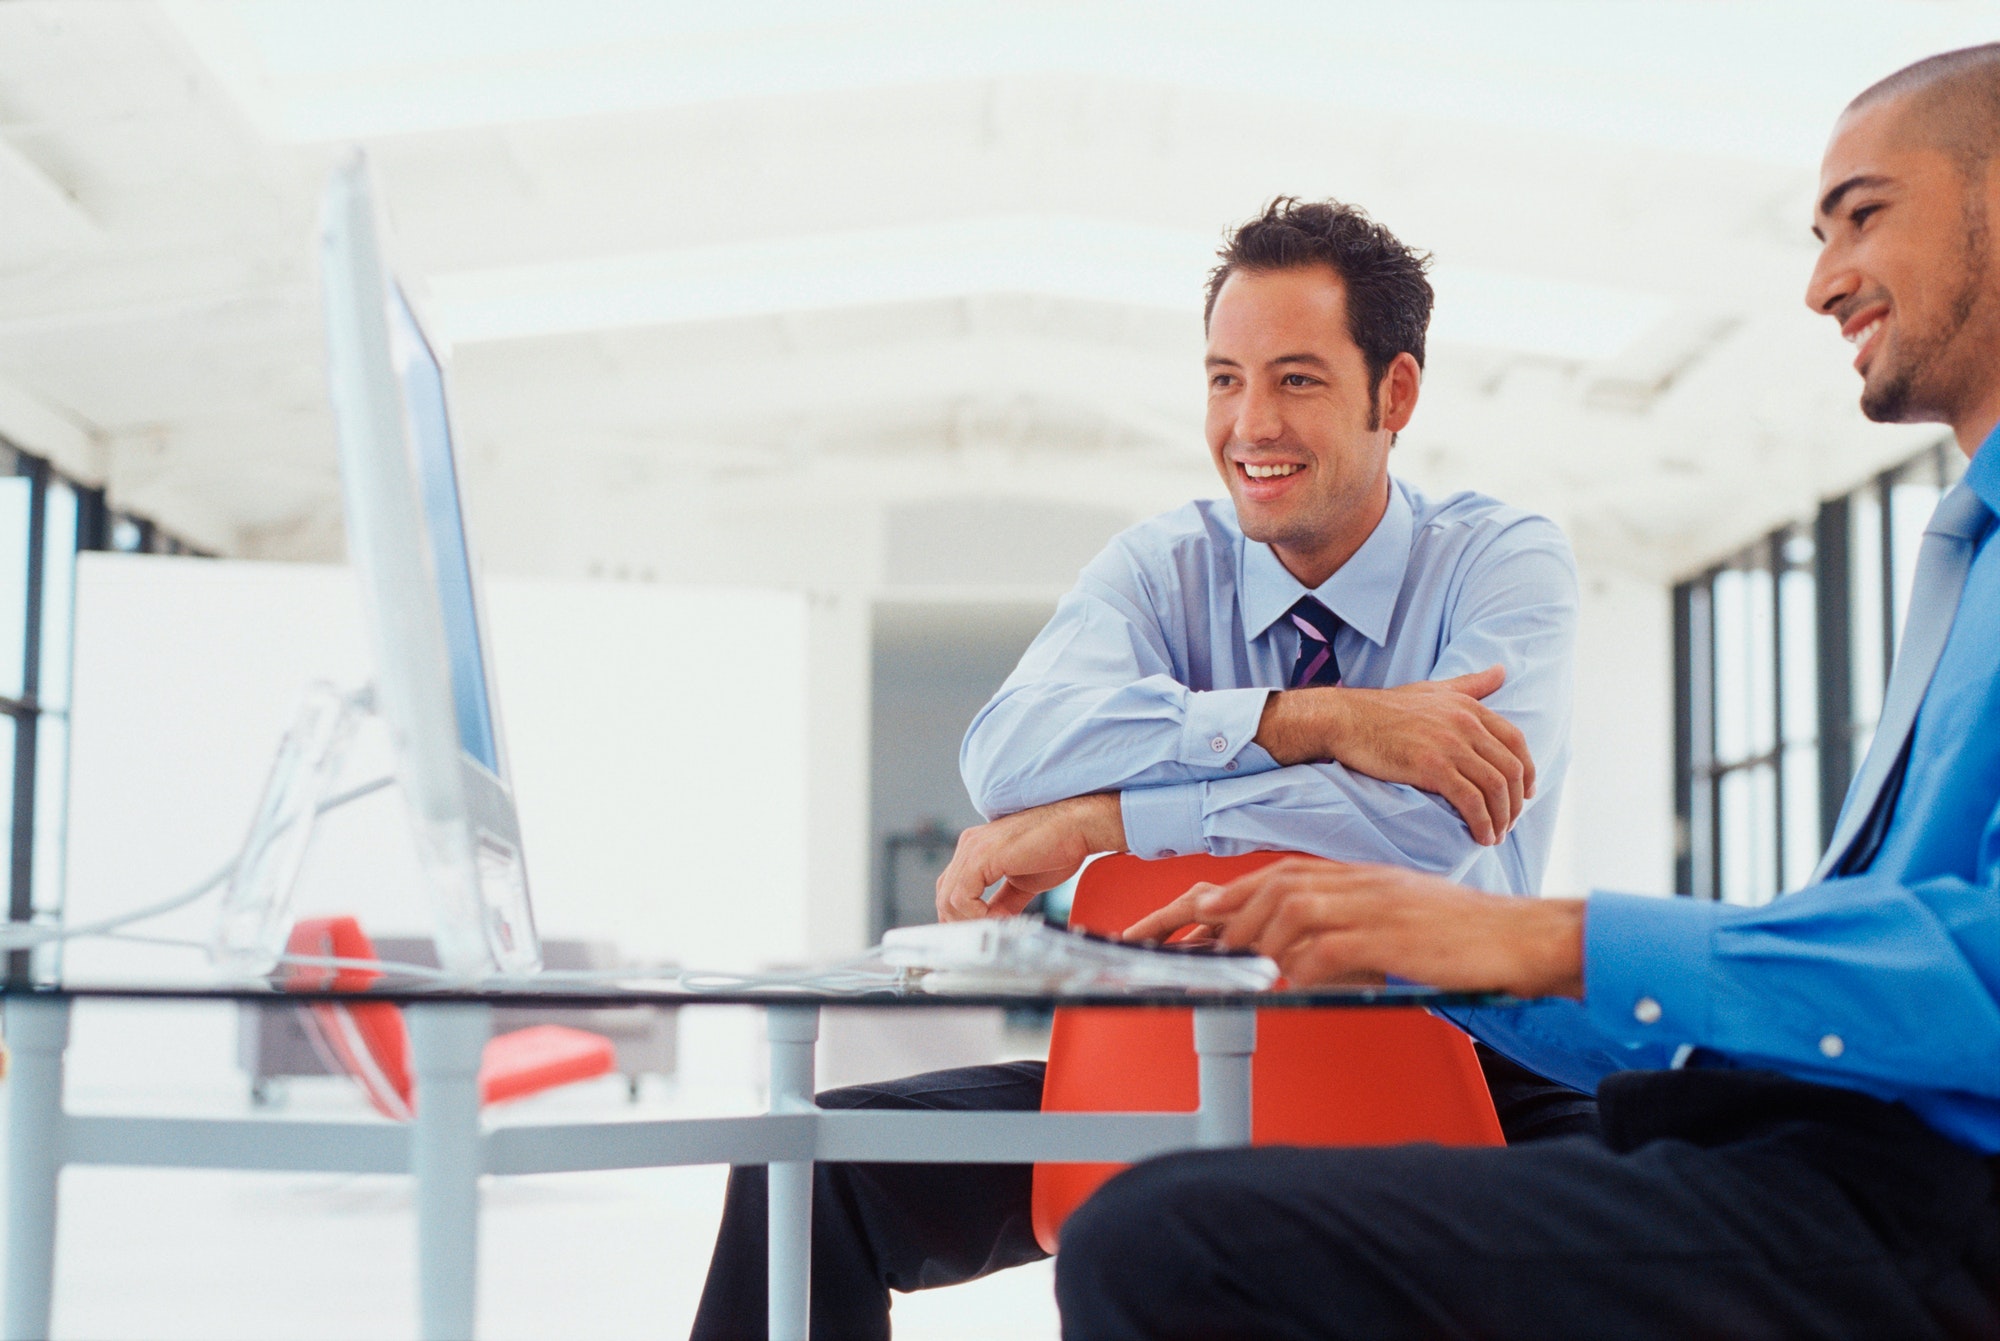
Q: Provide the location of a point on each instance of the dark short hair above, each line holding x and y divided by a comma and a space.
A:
1954, 103
1388, 298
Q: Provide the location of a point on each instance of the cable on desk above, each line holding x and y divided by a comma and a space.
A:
848, 978
428, 971
17, 936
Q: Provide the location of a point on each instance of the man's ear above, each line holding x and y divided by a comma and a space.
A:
1990, 191
1397, 391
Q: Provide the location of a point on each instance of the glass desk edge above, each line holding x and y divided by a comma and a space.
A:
407, 994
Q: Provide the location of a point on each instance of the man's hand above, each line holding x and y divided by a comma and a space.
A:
1434, 735
1326, 922
1176, 916
1032, 851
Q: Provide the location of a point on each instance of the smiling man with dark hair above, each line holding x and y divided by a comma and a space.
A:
1327, 661
1800, 1102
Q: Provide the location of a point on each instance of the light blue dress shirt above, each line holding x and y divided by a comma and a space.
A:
1883, 982
1152, 676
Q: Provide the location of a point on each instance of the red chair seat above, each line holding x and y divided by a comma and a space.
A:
367, 1040
1319, 1077
541, 1057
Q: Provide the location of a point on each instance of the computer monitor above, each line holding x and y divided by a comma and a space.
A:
409, 542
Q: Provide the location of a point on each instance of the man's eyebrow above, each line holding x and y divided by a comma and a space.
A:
1860, 181
1311, 360
1218, 361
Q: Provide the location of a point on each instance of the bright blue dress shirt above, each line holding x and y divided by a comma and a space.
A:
1883, 982
1152, 676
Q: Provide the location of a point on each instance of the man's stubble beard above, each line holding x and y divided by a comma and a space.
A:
1901, 399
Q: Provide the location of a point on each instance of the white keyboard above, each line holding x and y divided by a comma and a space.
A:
1026, 954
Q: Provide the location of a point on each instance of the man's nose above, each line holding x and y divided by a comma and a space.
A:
1832, 283
1257, 418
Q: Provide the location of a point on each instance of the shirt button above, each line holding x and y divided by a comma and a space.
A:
1647, 1011
1219, 744
1832, 1046
1229, 767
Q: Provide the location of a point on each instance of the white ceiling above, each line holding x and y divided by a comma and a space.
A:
729, 292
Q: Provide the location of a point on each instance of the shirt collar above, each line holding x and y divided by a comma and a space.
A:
1982, 476
1363, 591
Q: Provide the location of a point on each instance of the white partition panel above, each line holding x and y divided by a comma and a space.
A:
684, 759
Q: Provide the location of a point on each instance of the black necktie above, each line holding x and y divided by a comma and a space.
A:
1317, 664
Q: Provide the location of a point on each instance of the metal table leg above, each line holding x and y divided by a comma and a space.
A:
446, 1040
1224, 1038
793, 1031
37, 1033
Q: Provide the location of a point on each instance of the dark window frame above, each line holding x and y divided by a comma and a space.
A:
96, 525
1840, 722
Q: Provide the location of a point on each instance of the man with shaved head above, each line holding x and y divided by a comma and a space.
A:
1800, 1102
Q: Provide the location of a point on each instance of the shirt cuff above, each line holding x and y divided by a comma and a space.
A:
1218, 724
1646, 965
1163, 821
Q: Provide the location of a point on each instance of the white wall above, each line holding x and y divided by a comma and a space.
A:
675, 794
1616, 828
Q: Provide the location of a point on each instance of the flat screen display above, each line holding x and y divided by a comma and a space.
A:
437, 476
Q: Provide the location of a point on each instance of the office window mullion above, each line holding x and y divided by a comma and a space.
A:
1774, 558
1885, 500
1832, 596
1710, 729
1684, 728
21, 867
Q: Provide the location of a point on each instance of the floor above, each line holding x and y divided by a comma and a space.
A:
156, 1255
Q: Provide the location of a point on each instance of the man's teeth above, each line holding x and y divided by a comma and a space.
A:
1269, 472
1860, 337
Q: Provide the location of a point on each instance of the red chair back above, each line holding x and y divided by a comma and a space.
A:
1319, 1077
366, 1039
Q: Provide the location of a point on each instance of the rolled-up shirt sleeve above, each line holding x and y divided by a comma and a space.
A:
1098, 704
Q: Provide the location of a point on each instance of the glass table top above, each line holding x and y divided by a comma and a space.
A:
679, 988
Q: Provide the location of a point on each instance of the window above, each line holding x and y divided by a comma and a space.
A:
1782, 653
45, 520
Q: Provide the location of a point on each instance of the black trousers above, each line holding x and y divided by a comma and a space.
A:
1717, 1204
883, 1227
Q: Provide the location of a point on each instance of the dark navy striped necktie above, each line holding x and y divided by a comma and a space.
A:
1317, 664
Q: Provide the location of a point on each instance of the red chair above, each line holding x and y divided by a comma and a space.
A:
1319, 1077
368, 1041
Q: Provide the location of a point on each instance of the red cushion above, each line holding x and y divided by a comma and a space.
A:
541, 1057
368, 1041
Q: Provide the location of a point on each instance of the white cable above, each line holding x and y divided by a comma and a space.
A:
847, 978
370, 965
20, 936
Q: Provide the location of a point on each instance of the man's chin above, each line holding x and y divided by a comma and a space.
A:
1889, 400
1260, 526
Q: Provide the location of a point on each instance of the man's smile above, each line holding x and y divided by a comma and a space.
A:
1864, 330
1265, 481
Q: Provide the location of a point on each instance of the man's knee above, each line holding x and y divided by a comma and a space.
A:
1229, 1243
1145, 1237
1001, 1087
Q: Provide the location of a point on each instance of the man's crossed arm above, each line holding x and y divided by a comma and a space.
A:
1434, 735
